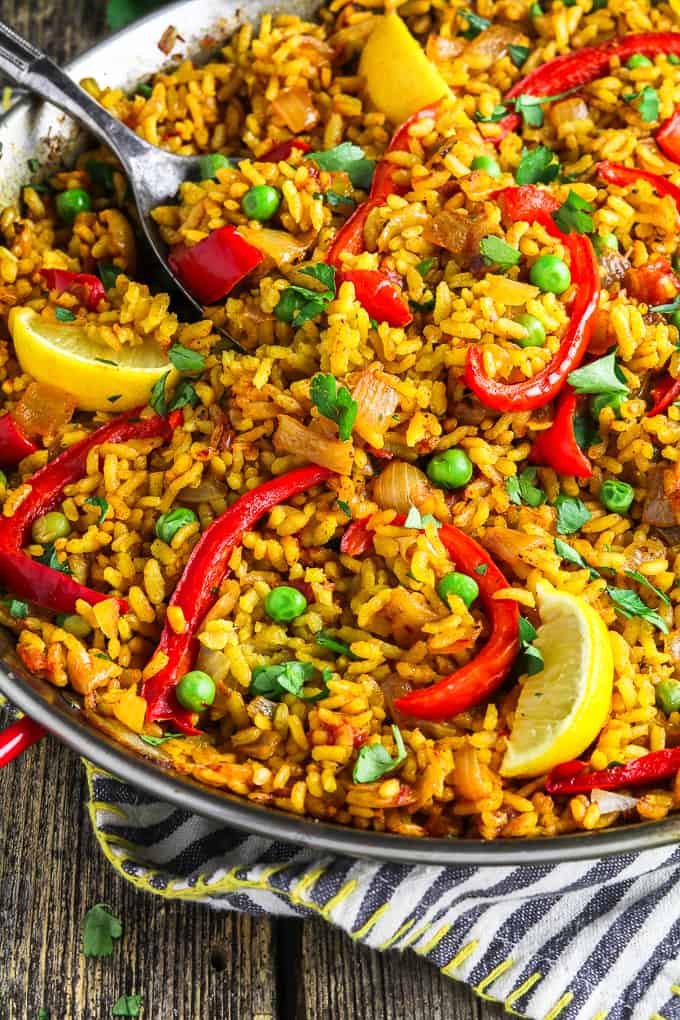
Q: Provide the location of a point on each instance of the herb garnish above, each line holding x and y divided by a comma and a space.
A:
128, 1005
108, 274
415, 520
601, 376
374, 760
530, 660
518, 54
540, 166
629, 604
521, 488
310, 303
63, 314
101, 503
325, 640
573, 216
497, 252
50, 559
275, 681
476, 23
333, 402
349, 158
186, 360
99, 930
572, 514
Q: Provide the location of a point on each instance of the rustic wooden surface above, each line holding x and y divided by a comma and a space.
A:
188, 962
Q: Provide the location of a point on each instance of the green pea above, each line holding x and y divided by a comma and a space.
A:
616, 496
210, 164
613, 400
638, 60
261, 202
169, 524
535, 331
550, 274
668, 696
50, 527
74, 624
488, 164
196, 690
675, 319
606, 241
450, 469
461, 585
72, 202
284, 604
289, 304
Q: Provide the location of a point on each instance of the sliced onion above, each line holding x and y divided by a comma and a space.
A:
511, 546
43, 410
490, 45
281, 246
608, 801
295, 109
400, 486
510, 292
209, 488
213, 662
569, 110
376, 403
439, 49
305, 442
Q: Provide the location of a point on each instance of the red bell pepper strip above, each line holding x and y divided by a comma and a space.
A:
664, 394
37, 582
63, 279
197, 589
281, 152
379, 296
574, 69
668, 137
556, 447
571, 777
14, 444
614, 173
357, 539
535, 206
212, 268
479, 678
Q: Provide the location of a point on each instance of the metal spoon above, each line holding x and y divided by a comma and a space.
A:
154, 175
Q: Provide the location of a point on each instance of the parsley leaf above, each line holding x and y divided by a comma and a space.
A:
334, 198
186, 360
573, 216
108, 274
50, 559
518, 54
601, 376
476, 23
338, 405
418, 522
540, 166
158, 398
99, 931
641, 579
521, 488
345, 507
324, 274
325, 640
374, 760
283, 678
184, 394
496, 114
481, 569
572, 514
585, 431
530, 660
649, 104
101, 503
349, 158
101, 175
17, 609
564, 550
128, 1005
155, 741
497, 252
629, 604
63, 314
425, 266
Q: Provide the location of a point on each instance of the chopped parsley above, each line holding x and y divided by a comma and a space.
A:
302, 302
569, 554
476, 23
518, 54
333, 402
572, 514
521, 488
101, 503
128, 1005
186, 360
530, 660
496, 114
63, 314
481, 569
99, 930
17, 610
155, 741
374, 760
50, 559
345, 507
325, 640
641, 579
274, 682
425, 266
101, 175
349, 158
629, 604
601, 376
540, 166
531, 107
415, 520
573, 216
184, 394
334, 198
108, 274
649, 103
495, 251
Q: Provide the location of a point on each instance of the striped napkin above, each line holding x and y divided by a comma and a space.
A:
596, 940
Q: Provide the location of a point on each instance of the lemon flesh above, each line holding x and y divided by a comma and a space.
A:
400, 79
98, 378
561, 710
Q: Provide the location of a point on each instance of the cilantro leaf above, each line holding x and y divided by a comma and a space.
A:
50, 559
641, 579
564, 550
530, 660
186, 360
521, 488
349, 158
518, 54
497, 252
418, 522
540, 166
629, 604
573, 216
283, 678
572, 514
128, 1005
374, 760
336, 404
649, 104
99, 930
155, 741
666, 309
601, 376
476, 23
63, 314
101, 503
527, 631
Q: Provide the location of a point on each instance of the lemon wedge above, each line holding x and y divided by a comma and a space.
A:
562, 709
98, 378
400, 79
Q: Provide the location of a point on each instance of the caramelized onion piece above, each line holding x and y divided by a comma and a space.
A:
43, 410
376, 403
305, 442
490, 45
295, 110
510, 546
400, 486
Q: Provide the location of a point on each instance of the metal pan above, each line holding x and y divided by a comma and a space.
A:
29, 131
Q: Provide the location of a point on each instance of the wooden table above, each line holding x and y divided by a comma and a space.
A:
188, 962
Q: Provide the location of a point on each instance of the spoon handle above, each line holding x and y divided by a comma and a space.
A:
28, 66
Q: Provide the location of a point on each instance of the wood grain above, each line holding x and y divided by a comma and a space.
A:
188, 962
